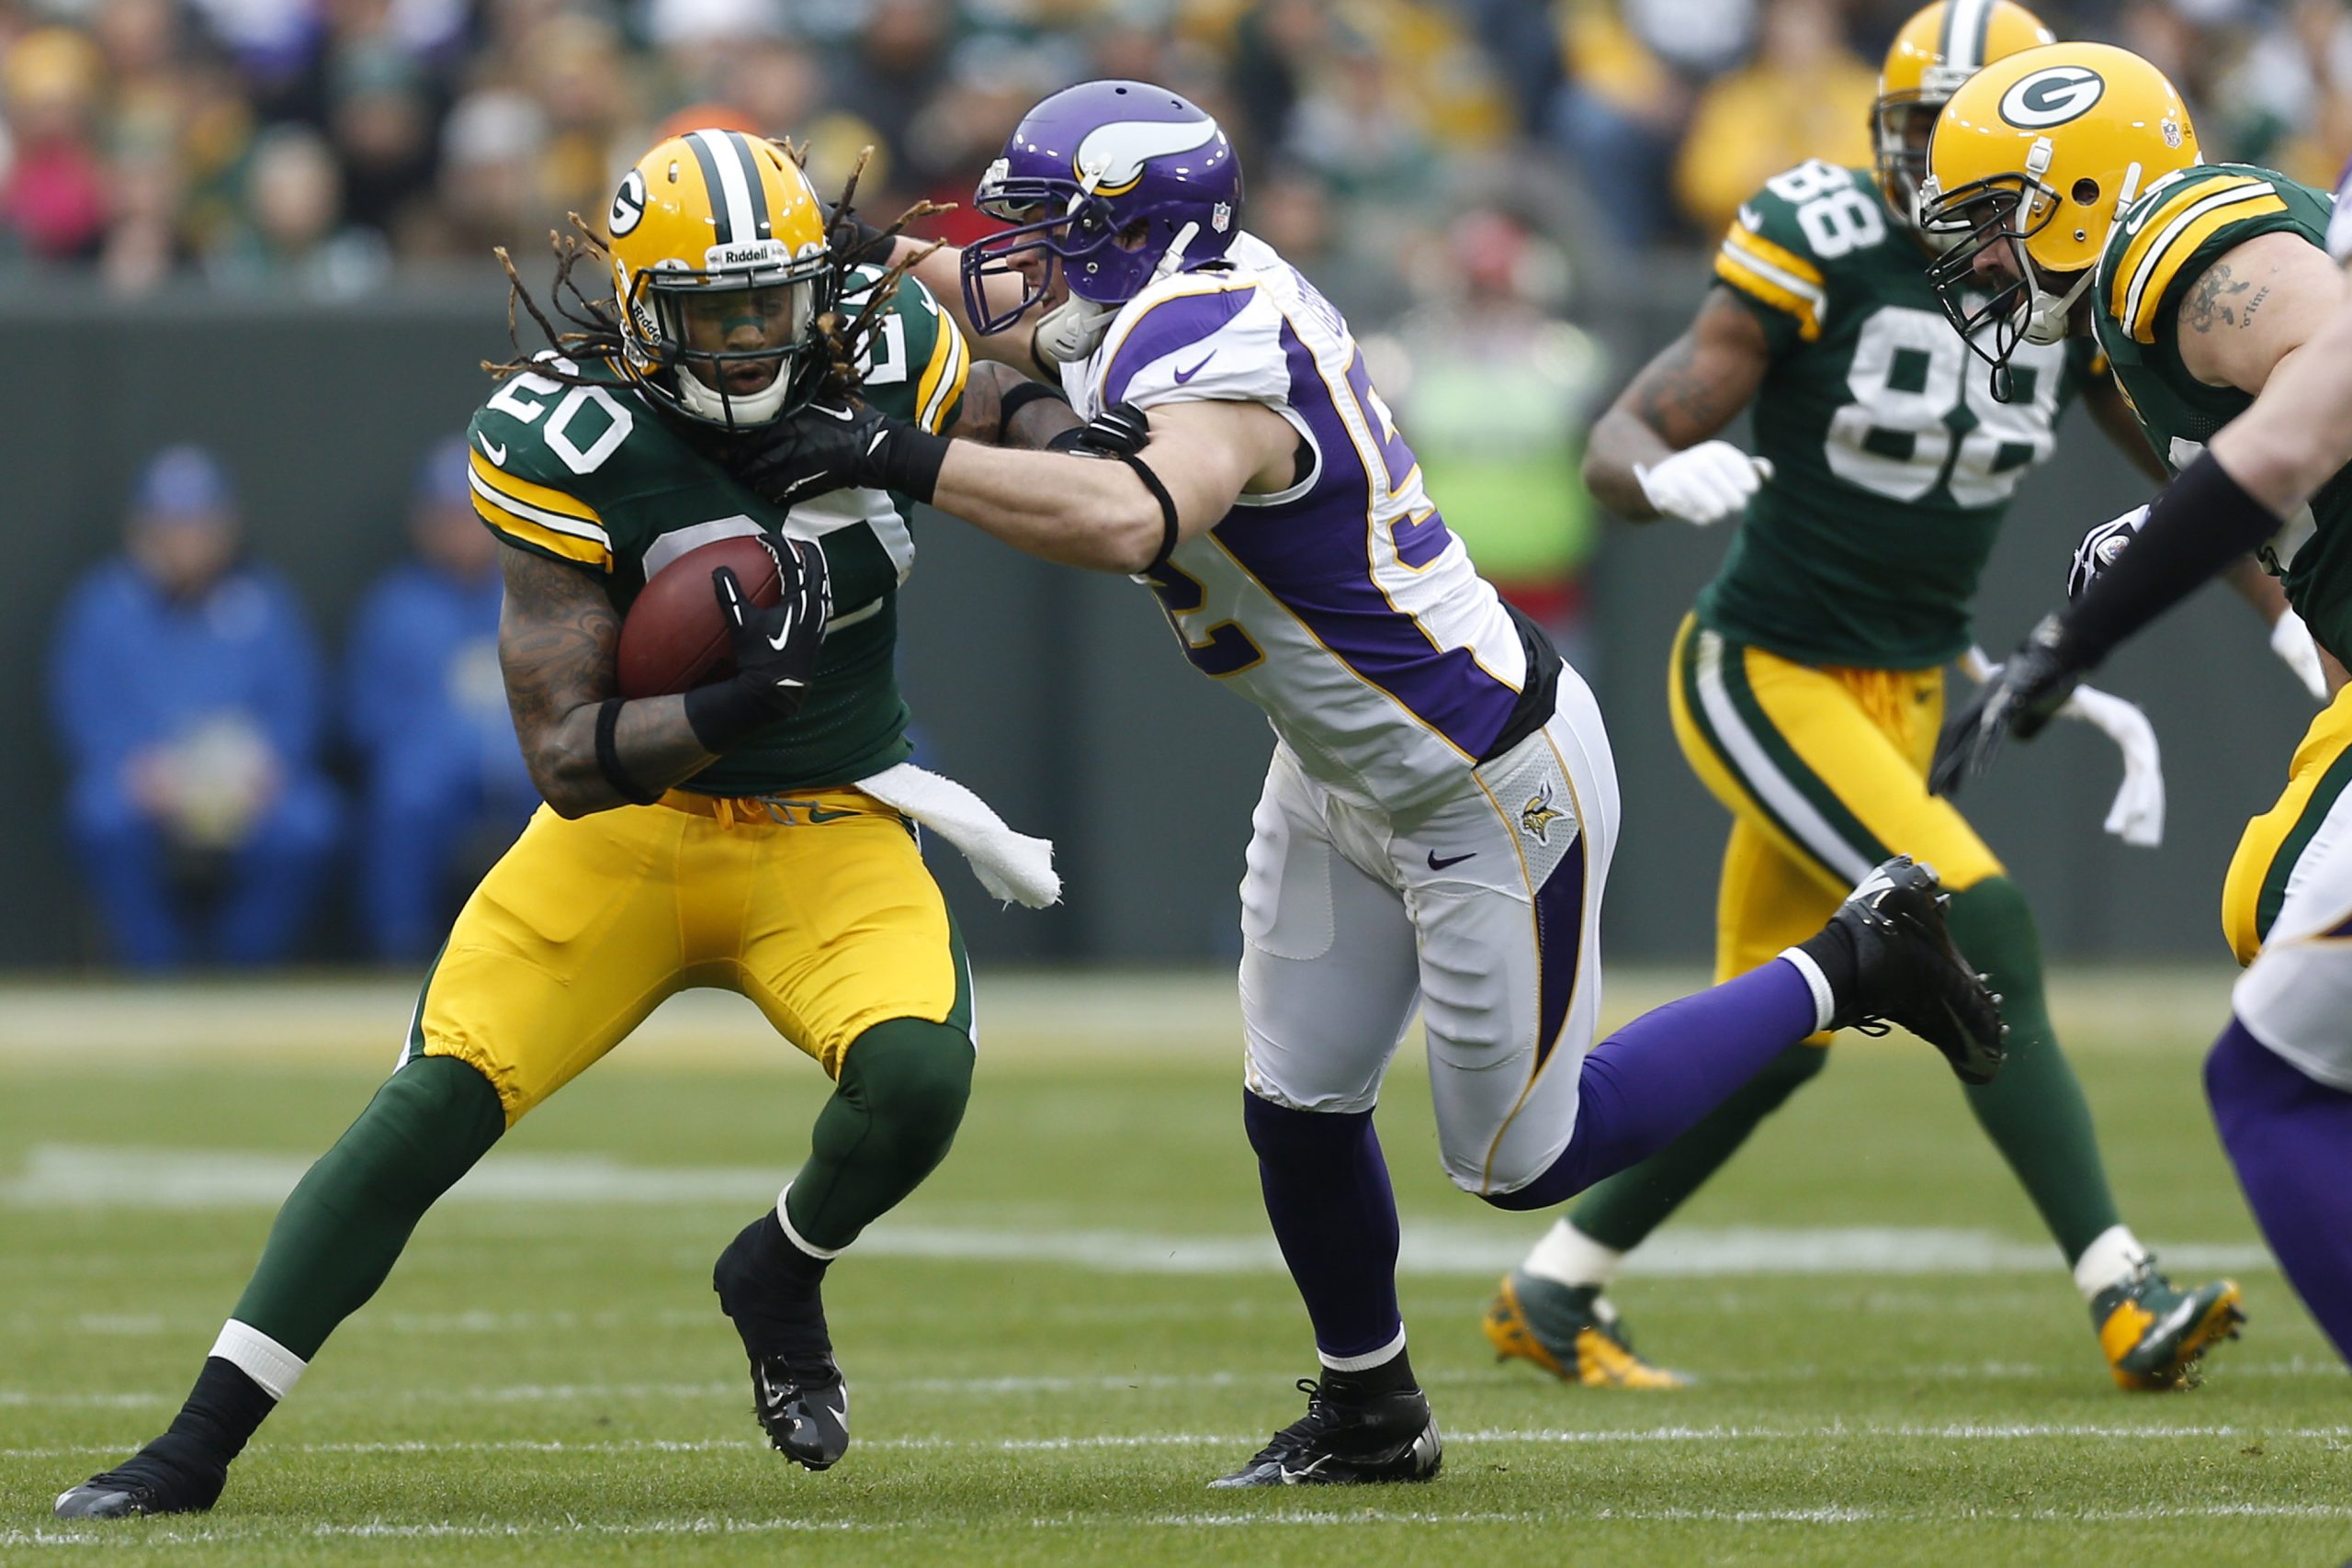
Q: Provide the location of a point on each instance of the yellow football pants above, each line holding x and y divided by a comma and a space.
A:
2272, 842
816, 907
1824, 772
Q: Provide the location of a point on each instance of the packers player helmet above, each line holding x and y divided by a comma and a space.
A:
720, 269
1939, 48
2034, 161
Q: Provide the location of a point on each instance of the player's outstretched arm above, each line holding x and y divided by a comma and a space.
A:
557, 639
1001, 406
2298, 434
1103, 514
1653, 454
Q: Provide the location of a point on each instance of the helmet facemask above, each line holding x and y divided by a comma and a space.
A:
1966, 223
700, 340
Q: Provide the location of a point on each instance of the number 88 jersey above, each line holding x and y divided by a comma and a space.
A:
1892, 464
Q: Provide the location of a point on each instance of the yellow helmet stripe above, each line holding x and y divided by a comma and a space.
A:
2171, 235
1966, 23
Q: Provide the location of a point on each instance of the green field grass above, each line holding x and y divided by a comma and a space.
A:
1080, 1319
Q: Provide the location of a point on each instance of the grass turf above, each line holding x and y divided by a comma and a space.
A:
1080, 1320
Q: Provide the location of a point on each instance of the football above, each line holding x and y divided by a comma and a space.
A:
675, 637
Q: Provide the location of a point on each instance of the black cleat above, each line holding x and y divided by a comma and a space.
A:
796, 1390
1347, 1439
1906, 971
803, 1410
174, 1474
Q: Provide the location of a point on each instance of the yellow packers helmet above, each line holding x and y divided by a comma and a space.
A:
1939, 48
719, 267
2034, 161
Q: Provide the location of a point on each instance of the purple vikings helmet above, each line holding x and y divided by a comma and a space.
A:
1083, 168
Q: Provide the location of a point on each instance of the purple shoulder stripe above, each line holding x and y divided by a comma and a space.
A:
1167, 328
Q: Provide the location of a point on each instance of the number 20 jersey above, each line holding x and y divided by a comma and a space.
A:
1893, 465
1342, 605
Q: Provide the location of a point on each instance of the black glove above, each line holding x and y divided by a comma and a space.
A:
2099, 549
1119, 431
2026, 694
839, 443
775, 649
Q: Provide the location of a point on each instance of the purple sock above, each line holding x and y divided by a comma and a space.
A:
1326, 1192
2290, 1140
1650, 1082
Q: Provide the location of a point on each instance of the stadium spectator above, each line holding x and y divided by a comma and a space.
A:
445, 786
1807, 95
53, 202
294, 233
183, 686
1494, 387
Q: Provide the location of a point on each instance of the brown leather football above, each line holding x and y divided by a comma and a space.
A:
675, 636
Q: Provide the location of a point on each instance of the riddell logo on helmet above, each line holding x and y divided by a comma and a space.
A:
2053, 96
759, 252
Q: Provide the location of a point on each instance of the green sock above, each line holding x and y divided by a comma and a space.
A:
901, 1095
346, 1222
2033, 1109
1622, 1211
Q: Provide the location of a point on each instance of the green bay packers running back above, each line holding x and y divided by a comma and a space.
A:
1806, 689
2071, 183
752, 834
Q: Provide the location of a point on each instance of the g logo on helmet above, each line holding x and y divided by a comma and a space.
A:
628, 205
2051, 97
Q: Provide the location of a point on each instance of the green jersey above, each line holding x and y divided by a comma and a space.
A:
593, 476
2166, 244
1893, 465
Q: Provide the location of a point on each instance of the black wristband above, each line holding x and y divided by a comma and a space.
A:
724, 712
608, 756
909, 461
860, 235
1142, 470
2202, 522
1023, 393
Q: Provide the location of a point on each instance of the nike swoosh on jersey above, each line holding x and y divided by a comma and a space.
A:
494, 453
1750, 218
1184, 376
1437, 865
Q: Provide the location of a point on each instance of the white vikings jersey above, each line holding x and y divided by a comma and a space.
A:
1342, 605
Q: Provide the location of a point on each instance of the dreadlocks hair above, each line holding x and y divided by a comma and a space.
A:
590, 330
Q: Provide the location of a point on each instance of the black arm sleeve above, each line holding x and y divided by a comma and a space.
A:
2201, 522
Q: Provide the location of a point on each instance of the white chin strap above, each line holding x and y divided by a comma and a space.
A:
741, 408
2046, 315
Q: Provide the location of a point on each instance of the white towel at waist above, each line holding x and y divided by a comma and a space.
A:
1010, 864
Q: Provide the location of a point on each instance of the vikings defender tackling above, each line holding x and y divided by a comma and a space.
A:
1440, 807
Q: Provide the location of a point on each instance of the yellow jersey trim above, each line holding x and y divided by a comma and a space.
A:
943, 378
537, 497
523, 530
1748, 263
2172, 234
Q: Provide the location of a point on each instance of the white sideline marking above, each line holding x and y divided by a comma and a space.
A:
1829, 1515
87, 1176
1835, 1432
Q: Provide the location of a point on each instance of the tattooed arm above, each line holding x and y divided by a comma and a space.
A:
557, 638
1036, 421
1695, 386
2255, 306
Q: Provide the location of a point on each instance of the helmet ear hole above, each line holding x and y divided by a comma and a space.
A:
2085, 192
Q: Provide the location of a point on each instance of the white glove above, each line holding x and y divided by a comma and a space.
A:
1072, 330
1703, 484
2137, 814
2291, 641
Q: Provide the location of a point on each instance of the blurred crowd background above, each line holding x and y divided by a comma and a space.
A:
1463, 177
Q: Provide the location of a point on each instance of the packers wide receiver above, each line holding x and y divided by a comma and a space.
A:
1805, 686
2072, 183
753, 834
